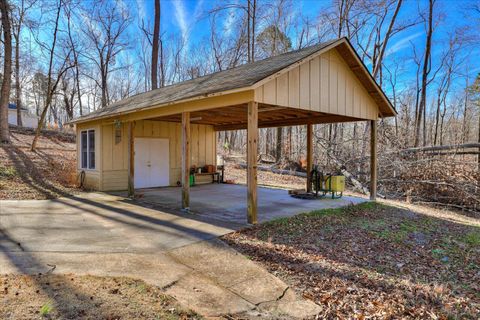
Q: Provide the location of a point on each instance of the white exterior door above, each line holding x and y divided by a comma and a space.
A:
151, 163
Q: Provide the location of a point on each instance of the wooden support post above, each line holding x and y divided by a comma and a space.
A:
186, 160
309, 156
373, 160
131, 159
252, 137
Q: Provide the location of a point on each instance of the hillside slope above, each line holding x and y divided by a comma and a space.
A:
47, 173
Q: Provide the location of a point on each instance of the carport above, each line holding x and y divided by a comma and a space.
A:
325, 83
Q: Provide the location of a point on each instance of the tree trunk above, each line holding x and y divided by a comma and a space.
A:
162, 66
278, 149
465, 131
478, 138
378, 61
155, 40
425, 72
18, 89
77, 82
253, 29
50, 88
249, 52
437, 120
7, 72
104, 90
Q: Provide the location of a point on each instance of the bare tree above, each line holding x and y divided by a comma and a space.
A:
75, 54
106, 34
425, 72
19, 17
157, 55
155, 43
251, 12
68, 92
227, 51
53, 77
382, 45
7, 72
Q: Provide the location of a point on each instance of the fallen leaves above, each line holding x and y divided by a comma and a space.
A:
372, 261
47, 173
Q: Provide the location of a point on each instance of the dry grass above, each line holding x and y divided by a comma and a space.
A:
47, 173
85, 297
374, 261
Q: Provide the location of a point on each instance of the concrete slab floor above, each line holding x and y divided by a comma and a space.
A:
228, 202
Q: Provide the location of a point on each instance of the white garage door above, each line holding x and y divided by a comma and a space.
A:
151, 163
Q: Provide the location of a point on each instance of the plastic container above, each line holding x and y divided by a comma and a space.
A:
337, 183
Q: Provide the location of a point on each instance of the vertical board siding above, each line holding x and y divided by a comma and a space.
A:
194, 144
114, 169
209, 146
315, 84
107, 136
357, 100
325, 84
333, 86
202, 152
282, 90
156, 128
342, 94
294, 88
304, 86
270, 92
147, 128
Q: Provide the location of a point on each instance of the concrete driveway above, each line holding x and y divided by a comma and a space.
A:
106, 235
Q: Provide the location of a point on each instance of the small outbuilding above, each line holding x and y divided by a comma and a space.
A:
154, 138
28, 120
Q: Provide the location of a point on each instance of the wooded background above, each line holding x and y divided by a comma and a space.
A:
64, 58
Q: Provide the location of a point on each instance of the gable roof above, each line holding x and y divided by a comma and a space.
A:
243, 77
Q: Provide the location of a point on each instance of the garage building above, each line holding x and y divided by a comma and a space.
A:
154, 138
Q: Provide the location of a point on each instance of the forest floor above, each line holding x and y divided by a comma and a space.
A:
85, 297
48, 172
235, 174
374, 260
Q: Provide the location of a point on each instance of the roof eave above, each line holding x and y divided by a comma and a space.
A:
194, 98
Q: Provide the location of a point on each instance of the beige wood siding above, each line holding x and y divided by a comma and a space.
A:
325, 84
115, 157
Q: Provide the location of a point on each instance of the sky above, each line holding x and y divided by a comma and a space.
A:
190, 20
187, 17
